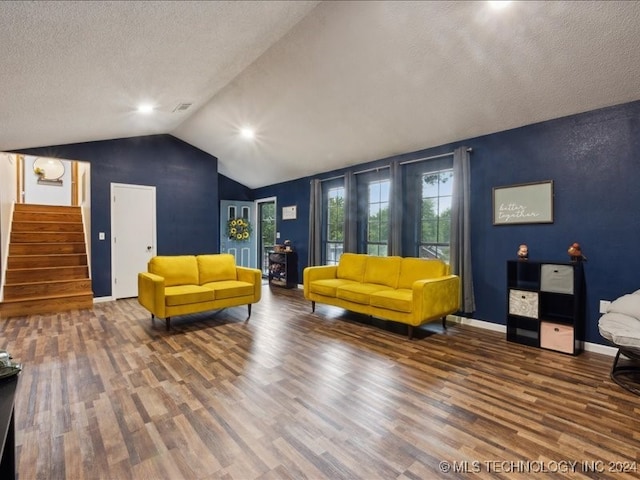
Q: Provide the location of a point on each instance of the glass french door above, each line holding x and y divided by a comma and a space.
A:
267, 231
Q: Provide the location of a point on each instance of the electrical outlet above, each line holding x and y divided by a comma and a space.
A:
604, 304
277, 234
101, 236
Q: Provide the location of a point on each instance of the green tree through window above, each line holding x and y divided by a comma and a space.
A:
267, 232
437, 189
378, 218
334, 244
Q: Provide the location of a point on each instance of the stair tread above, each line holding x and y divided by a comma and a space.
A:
49, 220
24, 255
49, 297
45, 206
57, 267
41, 282
49, 243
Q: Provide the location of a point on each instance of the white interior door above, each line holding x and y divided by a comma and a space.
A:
133, 236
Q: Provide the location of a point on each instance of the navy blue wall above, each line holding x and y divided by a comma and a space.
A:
295, 193
231, 190
594, 161
186, 181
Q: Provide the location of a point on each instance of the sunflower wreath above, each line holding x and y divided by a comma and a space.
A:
239, 229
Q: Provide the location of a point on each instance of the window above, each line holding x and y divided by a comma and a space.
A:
378, 217
335, 208
435, 215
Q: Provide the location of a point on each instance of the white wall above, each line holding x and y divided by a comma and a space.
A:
8, 197
46, 194
84, 200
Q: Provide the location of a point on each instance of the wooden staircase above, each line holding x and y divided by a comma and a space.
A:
47, 269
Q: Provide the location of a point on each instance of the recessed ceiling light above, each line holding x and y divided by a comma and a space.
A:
247, 133
145, 108
499, 4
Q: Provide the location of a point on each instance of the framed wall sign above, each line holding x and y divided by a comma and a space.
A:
523, 203
289, 213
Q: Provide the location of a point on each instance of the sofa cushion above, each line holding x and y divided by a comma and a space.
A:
413, 269
351, 266
216, 267
400, 300
176, 269
186, 294
230, 289
328, 286
359, 292
383, 270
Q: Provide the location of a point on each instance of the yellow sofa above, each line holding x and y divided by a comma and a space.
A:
407, 290
182, 284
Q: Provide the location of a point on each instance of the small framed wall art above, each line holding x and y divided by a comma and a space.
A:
289, 213
523, 203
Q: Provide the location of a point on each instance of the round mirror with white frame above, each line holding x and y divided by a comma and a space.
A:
48, 168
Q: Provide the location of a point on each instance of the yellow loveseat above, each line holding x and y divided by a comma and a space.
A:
182, 284
406, 290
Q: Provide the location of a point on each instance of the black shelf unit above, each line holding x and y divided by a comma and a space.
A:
545, 304
283, 269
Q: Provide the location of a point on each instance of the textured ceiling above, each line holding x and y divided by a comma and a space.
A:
325, 84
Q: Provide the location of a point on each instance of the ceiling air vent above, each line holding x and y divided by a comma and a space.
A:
182, 107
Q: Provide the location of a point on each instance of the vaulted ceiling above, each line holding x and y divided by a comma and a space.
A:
324, 85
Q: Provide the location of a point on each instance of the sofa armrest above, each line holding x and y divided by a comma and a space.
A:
151, 293
320, 272
253, 276
435, 298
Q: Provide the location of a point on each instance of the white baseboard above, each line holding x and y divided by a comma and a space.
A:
597, 348
103, 299
472, 322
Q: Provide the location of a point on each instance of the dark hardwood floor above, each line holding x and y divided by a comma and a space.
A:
295, 395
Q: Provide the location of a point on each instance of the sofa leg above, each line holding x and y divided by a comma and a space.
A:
410, 332
444, 322
153, 319
313, 306
249, 308
168, 322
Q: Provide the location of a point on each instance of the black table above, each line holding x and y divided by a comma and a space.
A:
8, 388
